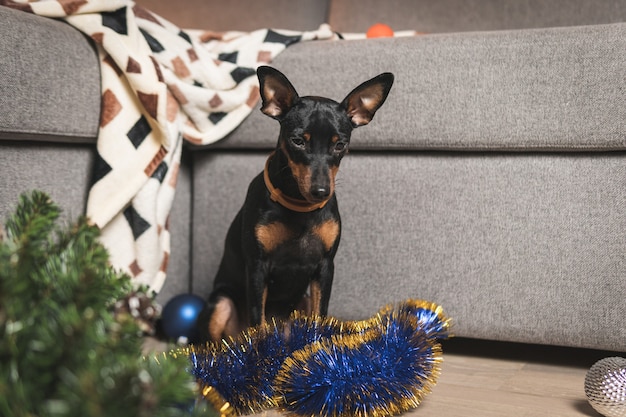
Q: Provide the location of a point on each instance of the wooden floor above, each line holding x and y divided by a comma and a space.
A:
495, 379
501, 379
488, 379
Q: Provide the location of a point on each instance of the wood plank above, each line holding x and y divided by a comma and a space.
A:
549, 381
449, 399
488, 373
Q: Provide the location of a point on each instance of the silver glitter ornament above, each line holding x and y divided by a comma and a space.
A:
605, 386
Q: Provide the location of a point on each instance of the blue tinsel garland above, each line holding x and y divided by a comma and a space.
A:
322, 366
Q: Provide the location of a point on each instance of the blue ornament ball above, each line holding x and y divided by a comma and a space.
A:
180, 315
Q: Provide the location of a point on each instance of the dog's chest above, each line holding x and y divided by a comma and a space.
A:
297, 244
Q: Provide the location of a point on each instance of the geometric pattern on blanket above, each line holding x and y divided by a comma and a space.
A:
160, 86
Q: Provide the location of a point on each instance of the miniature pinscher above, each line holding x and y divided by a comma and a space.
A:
279, 250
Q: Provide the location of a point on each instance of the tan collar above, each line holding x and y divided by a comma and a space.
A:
295, 204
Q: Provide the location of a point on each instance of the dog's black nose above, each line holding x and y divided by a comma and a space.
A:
320, 192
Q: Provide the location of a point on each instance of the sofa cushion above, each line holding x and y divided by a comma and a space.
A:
525, 247
49, 80
62, 171
541, 89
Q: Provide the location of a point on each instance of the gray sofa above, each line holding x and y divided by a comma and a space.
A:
491, 182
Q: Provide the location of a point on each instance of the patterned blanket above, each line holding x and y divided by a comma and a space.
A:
160, 86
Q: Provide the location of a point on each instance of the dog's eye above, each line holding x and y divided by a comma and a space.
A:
340, 146
297, 142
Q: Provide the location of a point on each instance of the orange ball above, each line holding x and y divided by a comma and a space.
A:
379, 30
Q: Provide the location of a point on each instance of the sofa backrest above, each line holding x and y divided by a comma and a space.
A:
46, 93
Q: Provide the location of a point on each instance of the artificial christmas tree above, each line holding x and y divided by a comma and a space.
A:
63, 350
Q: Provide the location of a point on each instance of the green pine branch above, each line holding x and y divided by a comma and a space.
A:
62, 350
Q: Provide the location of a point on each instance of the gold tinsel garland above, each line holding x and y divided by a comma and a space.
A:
323, 366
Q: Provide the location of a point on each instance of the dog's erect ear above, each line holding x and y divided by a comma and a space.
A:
277, 93
363, 101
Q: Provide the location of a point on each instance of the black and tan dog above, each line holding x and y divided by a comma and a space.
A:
280, 247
